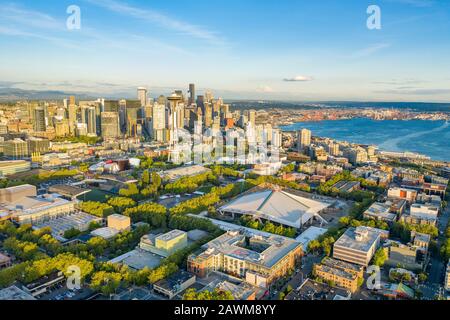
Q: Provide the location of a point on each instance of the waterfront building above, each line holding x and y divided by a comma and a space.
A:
303, 140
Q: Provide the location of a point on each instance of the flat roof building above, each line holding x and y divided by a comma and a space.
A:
185, 171
34, 209
12, 167
357, 245
381, 211
16, 193
15, 293
119, 222
164, 244
257, 259
174, 284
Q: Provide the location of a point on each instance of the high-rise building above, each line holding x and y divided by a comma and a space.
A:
62, 128
15, 149
142, 96
110, 124
159, 122
39, 119
72, 117
133, 115
111, 106
91, 120
303, 139
38, 145
252, 117
191, 93
208, 117
200, 102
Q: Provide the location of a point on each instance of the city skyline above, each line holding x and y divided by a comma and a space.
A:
317, 52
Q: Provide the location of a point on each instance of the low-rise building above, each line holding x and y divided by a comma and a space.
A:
119, 222
336, 276
259, 260
35, 209
174, 284
347, 186
164, 244
15, 293
421, 210
403, 193
12, 167
357, 245
43, 284
385, 211
435, 189
312, 290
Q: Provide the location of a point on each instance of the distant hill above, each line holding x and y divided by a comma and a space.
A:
14, 94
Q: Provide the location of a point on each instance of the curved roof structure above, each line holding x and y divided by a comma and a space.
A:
277, 206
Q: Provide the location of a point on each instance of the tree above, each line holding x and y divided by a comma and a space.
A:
216, 294
422, 277
121, 203
145, 177
97, 245
380, 257
106, 282
98, 209
314, 245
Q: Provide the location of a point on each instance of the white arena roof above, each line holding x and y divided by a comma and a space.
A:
277, 206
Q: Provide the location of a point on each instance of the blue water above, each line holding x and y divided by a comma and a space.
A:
431, 138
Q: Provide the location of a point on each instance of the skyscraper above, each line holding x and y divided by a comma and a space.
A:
252, 117
91, 120
72, 117
39, 119
159, 122
110, 124
142, 96
191, 93
303, 139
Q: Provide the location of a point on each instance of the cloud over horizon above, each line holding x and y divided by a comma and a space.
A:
298, 79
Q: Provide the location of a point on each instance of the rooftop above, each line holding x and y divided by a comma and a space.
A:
359, 239
170, 235
68, 191
278, 206
173, 282
381, 210
231, 243
14, 293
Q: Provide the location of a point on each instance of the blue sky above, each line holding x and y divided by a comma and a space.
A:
237, 48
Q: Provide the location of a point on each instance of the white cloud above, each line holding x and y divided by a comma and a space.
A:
160, 19
369, 50
265, 89
299, 79
31, 18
